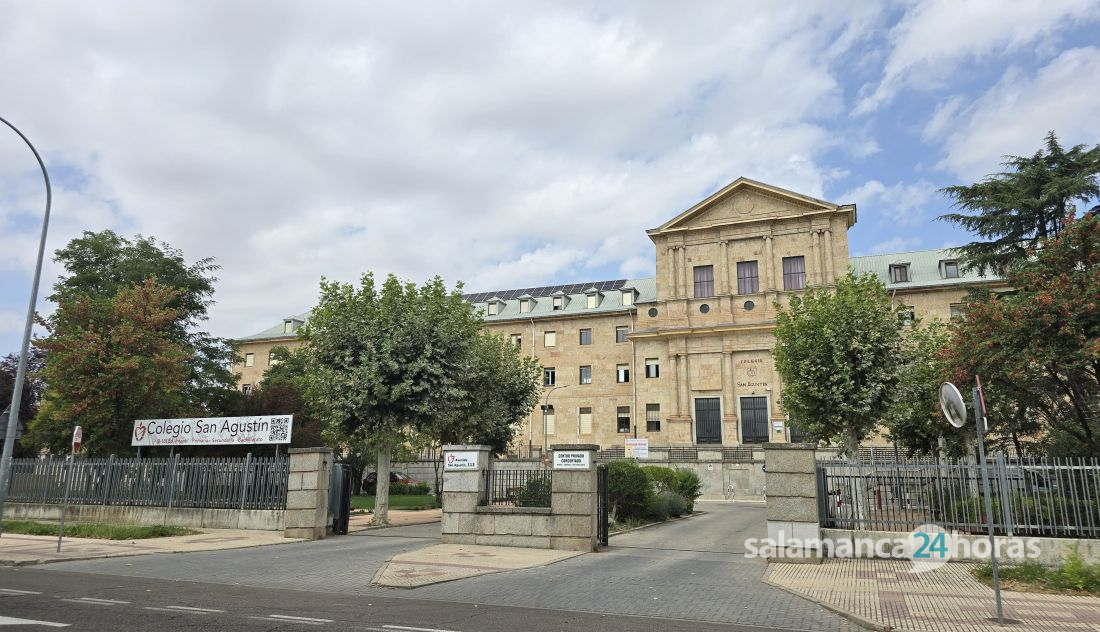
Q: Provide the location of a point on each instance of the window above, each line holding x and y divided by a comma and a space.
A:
492, 311
748, 277
622, 373
550, 339
525, 306
548, 376
593, 301
950, 269
794, 273
623, 416
559, 303
957, 312
288, 326
250, 359
620, 334
246, 389
652, 368
628, 297
704, 281
271, 359
586, 375
517, 340
548, 422
652, 417
584, 420
586, 336
908, 315
899, 273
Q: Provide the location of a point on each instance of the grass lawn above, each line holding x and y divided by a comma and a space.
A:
396, 502
96, 531
1073, 577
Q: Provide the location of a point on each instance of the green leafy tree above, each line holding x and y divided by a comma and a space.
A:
32, 389
109, 362
387, 361
838, 355
283, 391
1037, 349
914, 419
99, 265
1013, 211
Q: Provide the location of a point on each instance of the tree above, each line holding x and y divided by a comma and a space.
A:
386, 361
1013, 211
837, 354
99, 265
1037, 349
32, 388
283, 392
914, 418
109, 362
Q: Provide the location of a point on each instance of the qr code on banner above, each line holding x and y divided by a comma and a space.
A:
280, 429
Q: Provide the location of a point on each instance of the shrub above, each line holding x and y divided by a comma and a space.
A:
662, 478
629, 492
536, 493
667, 504
415, 489
689, 486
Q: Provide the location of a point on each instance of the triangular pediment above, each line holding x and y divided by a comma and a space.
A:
745, 200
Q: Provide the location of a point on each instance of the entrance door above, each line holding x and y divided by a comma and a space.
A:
708, 420
754, 419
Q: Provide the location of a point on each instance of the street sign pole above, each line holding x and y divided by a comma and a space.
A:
78, 437
979, 420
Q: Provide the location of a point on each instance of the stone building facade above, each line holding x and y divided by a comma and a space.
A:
684, 358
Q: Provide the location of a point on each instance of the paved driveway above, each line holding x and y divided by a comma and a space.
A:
692, 569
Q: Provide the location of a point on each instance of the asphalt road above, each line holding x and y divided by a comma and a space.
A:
108, 603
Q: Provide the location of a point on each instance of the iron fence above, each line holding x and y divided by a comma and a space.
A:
230, 483
1031, 497
516, 488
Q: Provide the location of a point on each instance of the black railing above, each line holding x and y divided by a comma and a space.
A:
610, 454
516, 488
736, 454
683, 454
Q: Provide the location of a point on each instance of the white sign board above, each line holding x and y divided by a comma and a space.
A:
571, 460
637, 448
213, 431
460, 461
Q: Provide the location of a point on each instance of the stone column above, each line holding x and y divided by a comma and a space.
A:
679, 410
462, 491
768, 266
671, 254
573, 499
685, 399
729, 407
830, 274
307, 493
685, 274
815, 259
724, 268
791, 483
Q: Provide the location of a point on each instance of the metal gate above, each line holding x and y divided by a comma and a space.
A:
708, 420
339, 498
601, 505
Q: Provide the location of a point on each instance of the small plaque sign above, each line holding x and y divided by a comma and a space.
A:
460, 461
564, 460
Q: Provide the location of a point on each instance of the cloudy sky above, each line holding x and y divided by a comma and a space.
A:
505, 144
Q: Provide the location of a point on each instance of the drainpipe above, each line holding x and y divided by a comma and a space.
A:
634, 366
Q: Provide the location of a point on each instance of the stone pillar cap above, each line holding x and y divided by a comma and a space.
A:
576, 446
472, 446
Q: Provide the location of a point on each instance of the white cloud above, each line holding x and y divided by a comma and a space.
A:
1013, 116
897, 244
11, 322
903, 204
935, 37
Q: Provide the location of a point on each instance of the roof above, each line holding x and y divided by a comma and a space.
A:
277, 331
924, 269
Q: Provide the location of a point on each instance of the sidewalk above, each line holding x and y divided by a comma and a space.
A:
21, 550
398, 518
448, 562
882, 594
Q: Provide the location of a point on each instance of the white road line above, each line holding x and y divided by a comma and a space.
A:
402, 627
303, 619
12, 591
99, 602
13, 621
269, 619
183, 609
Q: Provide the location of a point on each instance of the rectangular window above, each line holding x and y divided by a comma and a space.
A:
652, 368
957, 311
250, 359
517, 340
899, 273
559, 303
704, 281
593, 301
748, 277
620, 333
794, 273
628, 297
622, 373
908, 315
586, 336
550, 339
492, 311
586, 375
652, 417
525, 306
950, 269
549, 423
548, 376
288, 326
246, 389
271, 359
584, 420
623, 416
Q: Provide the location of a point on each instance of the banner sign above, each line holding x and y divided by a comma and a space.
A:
460, 461
637, 448
212, 431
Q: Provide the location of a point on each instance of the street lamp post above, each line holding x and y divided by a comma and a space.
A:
21, 370
545, 406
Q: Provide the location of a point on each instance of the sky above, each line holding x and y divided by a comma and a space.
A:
504, 144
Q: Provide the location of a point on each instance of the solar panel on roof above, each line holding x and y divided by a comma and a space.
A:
575, 288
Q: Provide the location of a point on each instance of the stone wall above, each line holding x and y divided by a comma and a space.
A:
792, 499
189, 517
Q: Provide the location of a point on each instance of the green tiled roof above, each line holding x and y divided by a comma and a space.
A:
924, 269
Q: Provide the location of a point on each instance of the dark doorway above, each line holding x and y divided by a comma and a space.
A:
708, 420
754, 419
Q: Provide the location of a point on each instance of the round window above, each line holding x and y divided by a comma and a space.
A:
653, 312
704, 308
749, 305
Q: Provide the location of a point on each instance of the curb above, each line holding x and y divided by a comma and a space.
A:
656, 524
857, 619
104, 556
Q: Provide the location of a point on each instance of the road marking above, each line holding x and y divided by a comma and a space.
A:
289, 619
12, 591
183, 609
402, 627
98, 602
13, 621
